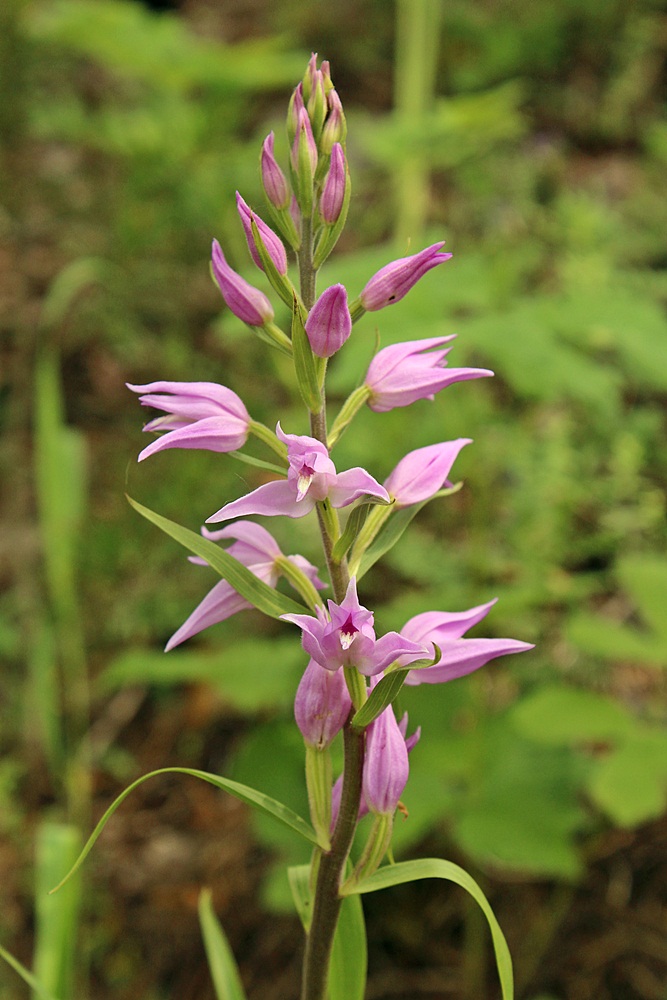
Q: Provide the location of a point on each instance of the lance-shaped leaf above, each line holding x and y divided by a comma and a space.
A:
245, 793
391, 531
382, 695
223, 968
305, 365
260, 595
411, 871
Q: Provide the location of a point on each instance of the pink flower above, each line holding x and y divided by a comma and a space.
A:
421, 473
395, 280
311, 476
322, 704
329, 323
245, 301
256, 549
272, 242
200, 415
403, 373
459, 656
344, 637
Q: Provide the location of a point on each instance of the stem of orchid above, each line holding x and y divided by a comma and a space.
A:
307, 274
327, 899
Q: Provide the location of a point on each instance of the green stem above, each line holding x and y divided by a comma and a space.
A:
327, 900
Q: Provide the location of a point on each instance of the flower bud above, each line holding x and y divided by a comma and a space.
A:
309, 77
421, 473
395, 280
273, 179
294, 109
335, 126
248, 303
329, 323
322, 704
386, 766
272, 242
303, 139
333, 191
304, 157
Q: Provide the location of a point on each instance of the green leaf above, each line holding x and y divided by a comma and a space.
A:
411, 871
354, 524
557, 715
305, 365
26, 976
281, 284
392, 530
349, 959
222, 669
299, 883
263, 597
382, 695
611, 640
260, 463
330, 235
57, 917
246, 794
645, 579
630, 785
224, 971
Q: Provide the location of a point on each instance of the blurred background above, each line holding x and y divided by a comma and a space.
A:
532, 136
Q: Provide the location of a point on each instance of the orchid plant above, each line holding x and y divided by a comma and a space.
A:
352, 675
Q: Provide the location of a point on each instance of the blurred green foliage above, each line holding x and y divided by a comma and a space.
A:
545, 149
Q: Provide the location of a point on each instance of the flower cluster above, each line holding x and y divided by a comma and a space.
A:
350, 669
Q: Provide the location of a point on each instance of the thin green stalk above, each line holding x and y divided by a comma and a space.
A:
327, 900
417, 43
331, 864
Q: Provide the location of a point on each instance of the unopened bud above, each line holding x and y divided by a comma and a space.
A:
272, 242
329, 323
273, 179
248, 303
333, 192
335, 126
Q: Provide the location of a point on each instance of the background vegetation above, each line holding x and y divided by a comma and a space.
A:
533, 137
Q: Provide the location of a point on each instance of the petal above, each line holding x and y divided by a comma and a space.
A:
391, 647
391, 359
441, 626
464, 656
421, 473
220, 603
270, 500
354, 484
258, 543
212, 434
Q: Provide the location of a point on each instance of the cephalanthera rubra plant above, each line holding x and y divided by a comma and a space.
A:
352, 675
